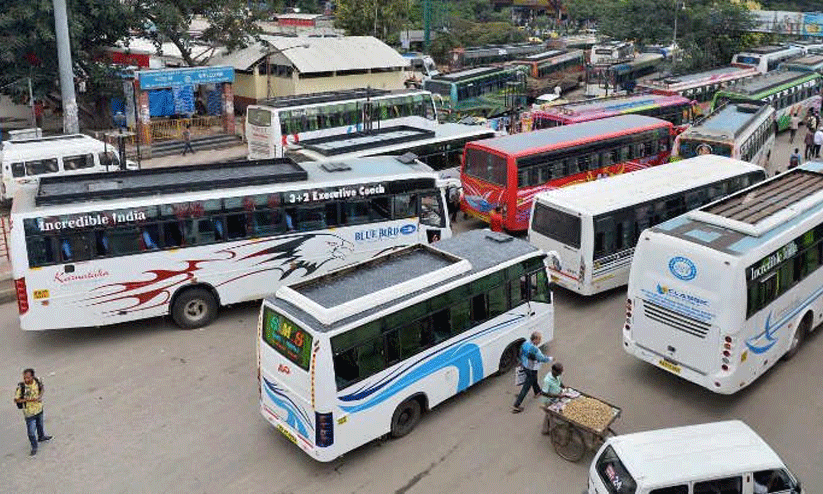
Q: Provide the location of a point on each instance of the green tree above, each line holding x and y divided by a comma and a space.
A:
586, 10
380, 18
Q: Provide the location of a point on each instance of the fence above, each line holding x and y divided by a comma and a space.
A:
162, 130
5, 223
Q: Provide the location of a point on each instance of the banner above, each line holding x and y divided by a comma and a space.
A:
813, 24
778, 22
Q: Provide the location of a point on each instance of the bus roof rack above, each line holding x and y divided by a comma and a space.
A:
188, 178
324, 97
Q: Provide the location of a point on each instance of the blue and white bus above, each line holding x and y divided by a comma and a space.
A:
719, 295
362, 352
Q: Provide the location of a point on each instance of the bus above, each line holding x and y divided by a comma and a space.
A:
699, 87
592, 228
508, 171
743, 131
181, 241
789, 92
441, 148
554, 64
809, 63
275, 124
476, 56
421, 67
479, 91
718, 296
622, 76
766, 58
675, 109
611, 52
362, 352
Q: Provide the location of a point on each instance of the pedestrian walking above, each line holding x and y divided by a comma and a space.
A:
794, 159
818, 142
187, 140
809, 142
496, 219
531, 358
811, 121
453, 203
29, 398
794, 123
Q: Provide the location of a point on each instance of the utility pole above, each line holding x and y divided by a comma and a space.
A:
71, 125
427, 25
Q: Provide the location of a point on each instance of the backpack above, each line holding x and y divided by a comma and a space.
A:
22, 387
794, 161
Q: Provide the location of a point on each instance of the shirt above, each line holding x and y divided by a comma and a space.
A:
531, 357
30, 408
794, 122
552, 385
818, 138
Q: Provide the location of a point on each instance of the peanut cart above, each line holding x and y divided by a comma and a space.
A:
579, 423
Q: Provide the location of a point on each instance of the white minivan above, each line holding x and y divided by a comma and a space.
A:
26, 161
715, 458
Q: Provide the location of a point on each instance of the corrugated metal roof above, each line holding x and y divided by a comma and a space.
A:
318, 54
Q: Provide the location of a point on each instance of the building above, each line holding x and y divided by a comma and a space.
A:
286, 66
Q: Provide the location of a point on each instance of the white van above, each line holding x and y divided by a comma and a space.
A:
715, 458
25, 161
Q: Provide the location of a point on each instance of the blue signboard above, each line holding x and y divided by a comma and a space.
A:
166, 78
813, 24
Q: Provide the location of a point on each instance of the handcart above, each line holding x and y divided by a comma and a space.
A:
571, 438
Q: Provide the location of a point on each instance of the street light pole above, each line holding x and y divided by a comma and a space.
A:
71, 124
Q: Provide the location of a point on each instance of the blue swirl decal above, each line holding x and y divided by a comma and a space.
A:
682, 268
408, 229
764, 341
295, 415
463, 354
479, 203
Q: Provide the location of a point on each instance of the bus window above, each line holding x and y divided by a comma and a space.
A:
405, 206
355, 212
18, 169
39, 167
675, 489
109, 159
78, 162
539, 287
172, 234
730, 485
431, 211
310, 219
41, 251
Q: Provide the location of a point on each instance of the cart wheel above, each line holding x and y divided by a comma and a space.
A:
568, 442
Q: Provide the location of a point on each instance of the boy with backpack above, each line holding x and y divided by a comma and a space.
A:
794, 159
29, 398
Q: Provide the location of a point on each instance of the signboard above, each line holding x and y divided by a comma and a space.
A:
166, 78
777, 21
813, 24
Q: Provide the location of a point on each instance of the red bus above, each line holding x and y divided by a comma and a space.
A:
674, 108
509, 171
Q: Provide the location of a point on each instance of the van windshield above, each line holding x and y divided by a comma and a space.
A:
613, 474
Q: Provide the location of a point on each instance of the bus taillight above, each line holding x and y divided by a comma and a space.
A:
324, 436
22, 296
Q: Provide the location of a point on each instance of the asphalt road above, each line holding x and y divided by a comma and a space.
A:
146, 407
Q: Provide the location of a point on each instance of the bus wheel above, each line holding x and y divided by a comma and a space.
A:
194, 308
800, 333
405, 418
508, 358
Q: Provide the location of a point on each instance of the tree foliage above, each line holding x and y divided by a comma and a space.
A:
381, 18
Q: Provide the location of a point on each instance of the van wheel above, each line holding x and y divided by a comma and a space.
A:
194, 308
405, 418
508, 358
800, 333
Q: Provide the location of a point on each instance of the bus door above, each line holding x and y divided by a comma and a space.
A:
434, 224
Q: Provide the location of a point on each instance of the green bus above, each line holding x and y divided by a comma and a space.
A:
787, 91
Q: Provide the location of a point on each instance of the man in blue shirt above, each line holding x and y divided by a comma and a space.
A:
552, 390
531, 358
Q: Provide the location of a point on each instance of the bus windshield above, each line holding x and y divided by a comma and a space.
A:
690, 148
287, 338
486, 166
557, 225
259, 117
615, 477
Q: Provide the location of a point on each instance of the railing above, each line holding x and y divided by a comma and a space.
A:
5, 223
173, 129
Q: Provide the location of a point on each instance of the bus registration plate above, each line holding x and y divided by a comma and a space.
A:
669, 366
287, 433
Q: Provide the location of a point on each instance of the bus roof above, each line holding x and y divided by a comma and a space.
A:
765, 50
329, 97
714, 450
93, 187
769, 80
708, 76
567, 135
624, 190
752, 217
807, 62
41, 147
468, 73
728, 120
611, 105
334, 300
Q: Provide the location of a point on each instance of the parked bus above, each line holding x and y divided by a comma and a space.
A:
742, 131
565, 68
509, 171
611, 52
789, 92
441, 149
809, 63
699, 87
593, 227
275, 124
766, 58
719, 295
624, 76
675, 109
361, 352
476, 56
480, 91
421, 67
90, 250
26, 161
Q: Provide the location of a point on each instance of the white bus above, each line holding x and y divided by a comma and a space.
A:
743, 131
611, 52
273, 125
96, 249
719, 295
362, 352
592, 228
723, 457
26, 161
766, 58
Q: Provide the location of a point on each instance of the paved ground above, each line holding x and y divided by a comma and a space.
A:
145, 407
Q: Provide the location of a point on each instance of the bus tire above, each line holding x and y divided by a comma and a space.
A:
194, 308
508, 359
799, 334
405, 418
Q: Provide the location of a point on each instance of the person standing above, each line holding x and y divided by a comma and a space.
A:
818, 142
496, 219
794, 123
453, 202
794, 159
531, 358
552, 390
29, 398
809, 142
187, 140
